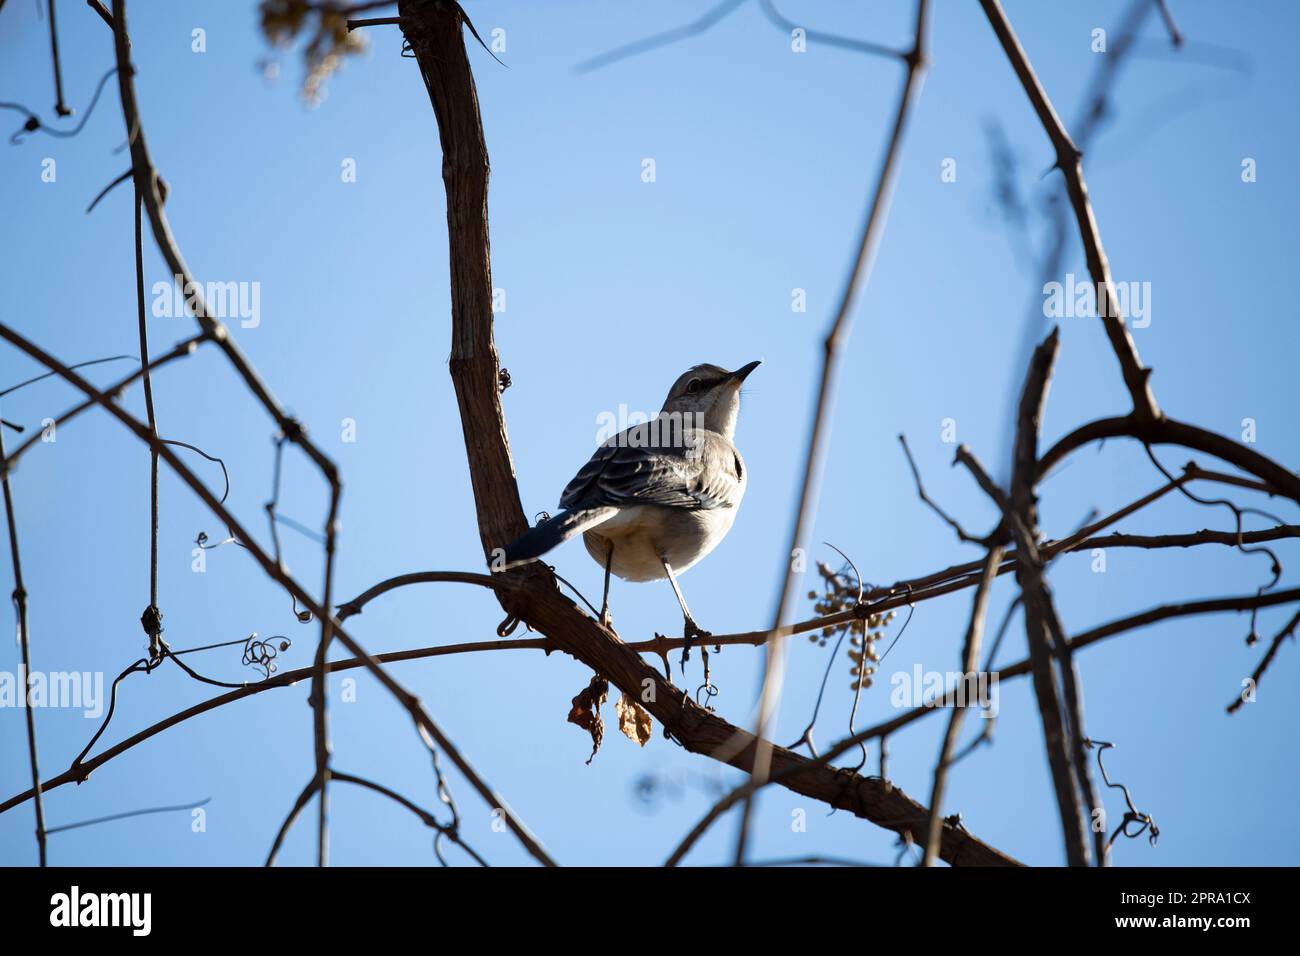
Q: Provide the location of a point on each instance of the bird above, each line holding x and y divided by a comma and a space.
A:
657, 497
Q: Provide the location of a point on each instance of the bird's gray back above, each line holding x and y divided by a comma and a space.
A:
691, 468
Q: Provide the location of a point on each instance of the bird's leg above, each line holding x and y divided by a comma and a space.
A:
605, 620
691, 631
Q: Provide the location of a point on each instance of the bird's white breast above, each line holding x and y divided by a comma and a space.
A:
642, 533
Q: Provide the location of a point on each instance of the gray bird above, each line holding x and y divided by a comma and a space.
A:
657, 497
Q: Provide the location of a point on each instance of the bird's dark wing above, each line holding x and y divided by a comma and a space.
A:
700, 472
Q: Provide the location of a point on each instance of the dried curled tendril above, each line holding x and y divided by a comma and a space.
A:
202, 541
1133, 817
261, 654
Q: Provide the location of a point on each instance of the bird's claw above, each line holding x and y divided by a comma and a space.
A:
692, 633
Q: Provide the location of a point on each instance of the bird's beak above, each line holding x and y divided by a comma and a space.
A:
742, 373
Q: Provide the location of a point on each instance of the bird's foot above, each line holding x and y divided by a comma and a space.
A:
692, 633
607, 620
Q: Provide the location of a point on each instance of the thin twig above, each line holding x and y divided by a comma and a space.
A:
24, 641
696, 27
961, 533
1169, 431
59, 106
428, 819
306, 794
430, 732
859, 274
830, 39
1287, 631
969, 660
1070, 161
152, 618
147, 182
182, 349
126, 815
80, 772
1020, 669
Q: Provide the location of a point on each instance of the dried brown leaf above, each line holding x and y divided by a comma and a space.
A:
586, 711
633, 720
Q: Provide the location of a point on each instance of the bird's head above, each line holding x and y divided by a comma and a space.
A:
710, 395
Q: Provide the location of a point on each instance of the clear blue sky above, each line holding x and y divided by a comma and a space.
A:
764, 159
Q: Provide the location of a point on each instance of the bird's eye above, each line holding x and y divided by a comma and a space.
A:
693, 386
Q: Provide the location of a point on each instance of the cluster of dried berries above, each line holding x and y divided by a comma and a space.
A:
862, 650
841, 594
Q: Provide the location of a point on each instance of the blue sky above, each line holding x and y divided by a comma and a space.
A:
764, 160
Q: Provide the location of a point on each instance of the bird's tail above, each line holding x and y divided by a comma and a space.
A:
553, 531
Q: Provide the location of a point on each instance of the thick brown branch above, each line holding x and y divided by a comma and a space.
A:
703, 732
433, 28
434, 31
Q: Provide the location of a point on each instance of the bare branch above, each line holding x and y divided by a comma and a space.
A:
859, 273
1287, 631
348, 608
147, 182
1167, 431
644, 45
1069, 160
25, 652
1175, 35
969, 661
529, 593
102, 11
948, 519
1189, 540
1062, 726
831, 39
427, 818
180, 350
306, 794
1022, 668
430, 732
1084, 639
147, 811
